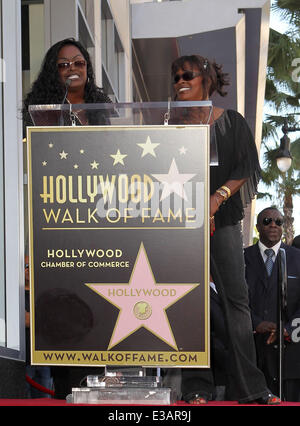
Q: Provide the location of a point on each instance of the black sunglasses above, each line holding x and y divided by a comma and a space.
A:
186, 76
66, 65
267, 220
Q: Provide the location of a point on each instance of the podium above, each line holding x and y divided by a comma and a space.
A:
119, 243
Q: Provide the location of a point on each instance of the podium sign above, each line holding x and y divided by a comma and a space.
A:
119, 245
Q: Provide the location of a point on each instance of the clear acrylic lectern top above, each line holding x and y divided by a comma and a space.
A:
126, 114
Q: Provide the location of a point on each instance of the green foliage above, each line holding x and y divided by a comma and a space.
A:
281, 91
282, 51
289, 10
283, 95
295, 152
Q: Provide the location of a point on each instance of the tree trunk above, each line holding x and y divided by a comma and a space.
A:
288, 219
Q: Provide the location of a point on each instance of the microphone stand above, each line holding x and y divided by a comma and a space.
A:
67, 85
282, 305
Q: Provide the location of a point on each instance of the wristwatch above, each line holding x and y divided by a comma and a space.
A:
223, 193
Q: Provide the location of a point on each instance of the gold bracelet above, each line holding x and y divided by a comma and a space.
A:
227, 190
223, 193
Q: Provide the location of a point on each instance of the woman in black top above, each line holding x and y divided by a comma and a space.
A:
66, 68
233, 183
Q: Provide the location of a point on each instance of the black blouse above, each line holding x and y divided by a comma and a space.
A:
238, 159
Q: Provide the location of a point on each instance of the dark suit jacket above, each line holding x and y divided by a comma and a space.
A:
263, 299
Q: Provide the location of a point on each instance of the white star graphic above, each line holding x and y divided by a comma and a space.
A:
148, 147
94, 165
182, 150
63, 155
173, 181
118, 157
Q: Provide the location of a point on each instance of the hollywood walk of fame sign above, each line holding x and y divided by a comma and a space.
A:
119, 245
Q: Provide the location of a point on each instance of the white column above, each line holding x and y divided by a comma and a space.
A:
13, 177
61, 21
98, 49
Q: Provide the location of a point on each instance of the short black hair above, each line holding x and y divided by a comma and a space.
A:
296, 242
263, 211
214, 79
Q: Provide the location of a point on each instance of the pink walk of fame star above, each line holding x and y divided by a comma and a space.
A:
142, 302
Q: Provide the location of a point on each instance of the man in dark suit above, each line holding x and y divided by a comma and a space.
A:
262, 277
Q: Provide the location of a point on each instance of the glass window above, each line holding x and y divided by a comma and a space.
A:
83, 6
119, 68
104, 24
33, 42
113, 57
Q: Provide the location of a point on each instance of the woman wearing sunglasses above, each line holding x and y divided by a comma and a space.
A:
233, 183
66, 69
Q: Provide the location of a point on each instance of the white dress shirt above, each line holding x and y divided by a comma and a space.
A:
262, 249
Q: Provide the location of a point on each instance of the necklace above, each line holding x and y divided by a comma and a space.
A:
74, 115
209, 116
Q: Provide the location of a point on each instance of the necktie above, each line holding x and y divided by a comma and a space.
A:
269, 262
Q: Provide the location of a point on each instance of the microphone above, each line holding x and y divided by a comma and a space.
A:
67, 85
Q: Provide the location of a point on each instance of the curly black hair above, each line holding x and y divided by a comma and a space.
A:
48, 89
214, 79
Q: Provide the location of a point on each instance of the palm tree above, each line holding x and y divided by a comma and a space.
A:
283, 94
286, 185
289, 10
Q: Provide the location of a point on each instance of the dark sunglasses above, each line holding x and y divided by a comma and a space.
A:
267, 220
186, 76
66, 65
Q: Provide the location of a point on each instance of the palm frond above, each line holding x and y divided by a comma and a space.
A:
293, 100
268, 131
275, 120
282, 50
262, 195
295, 153
270, 174
289, 11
